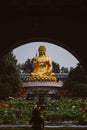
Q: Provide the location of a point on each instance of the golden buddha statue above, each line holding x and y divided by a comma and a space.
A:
42, 67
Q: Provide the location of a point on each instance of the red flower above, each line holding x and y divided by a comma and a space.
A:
5, 105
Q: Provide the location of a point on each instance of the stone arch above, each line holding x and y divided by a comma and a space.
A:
64, 22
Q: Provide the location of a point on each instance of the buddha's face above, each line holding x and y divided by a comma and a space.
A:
41, 52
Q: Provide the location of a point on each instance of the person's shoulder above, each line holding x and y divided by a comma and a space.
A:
42, 117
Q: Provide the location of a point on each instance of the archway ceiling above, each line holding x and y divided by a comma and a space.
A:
64, 21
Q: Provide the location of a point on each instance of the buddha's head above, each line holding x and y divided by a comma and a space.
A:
42, 50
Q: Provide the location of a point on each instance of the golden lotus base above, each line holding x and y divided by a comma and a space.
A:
42, 78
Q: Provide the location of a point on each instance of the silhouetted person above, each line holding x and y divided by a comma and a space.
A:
37, 120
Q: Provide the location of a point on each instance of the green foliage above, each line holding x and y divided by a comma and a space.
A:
76, 84
78, 74
80, 89
27, 66
9, 76
56, 112
56, 67
5, 90
64, 70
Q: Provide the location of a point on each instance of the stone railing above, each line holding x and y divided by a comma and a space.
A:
28, 127
54, 84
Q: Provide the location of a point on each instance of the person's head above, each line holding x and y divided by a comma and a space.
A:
42, 50
36, 112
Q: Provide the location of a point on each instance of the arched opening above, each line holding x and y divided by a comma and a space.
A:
55, 105
31, 50
57, 53
47, 40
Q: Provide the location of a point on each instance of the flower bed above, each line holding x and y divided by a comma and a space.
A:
56, 112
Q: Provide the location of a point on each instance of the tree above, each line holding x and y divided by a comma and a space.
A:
56, 67
26, 67
10, 82
78, 74
76, 84
64, 70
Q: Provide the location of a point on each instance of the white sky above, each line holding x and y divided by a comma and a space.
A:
57, 54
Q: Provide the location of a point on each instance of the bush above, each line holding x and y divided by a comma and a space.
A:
81, 90
5, 90
56, 111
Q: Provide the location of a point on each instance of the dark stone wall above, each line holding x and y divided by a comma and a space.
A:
62, 22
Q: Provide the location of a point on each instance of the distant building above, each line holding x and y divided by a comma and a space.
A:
61, 76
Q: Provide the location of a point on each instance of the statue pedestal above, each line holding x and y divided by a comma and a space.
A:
42, 90
43, 84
